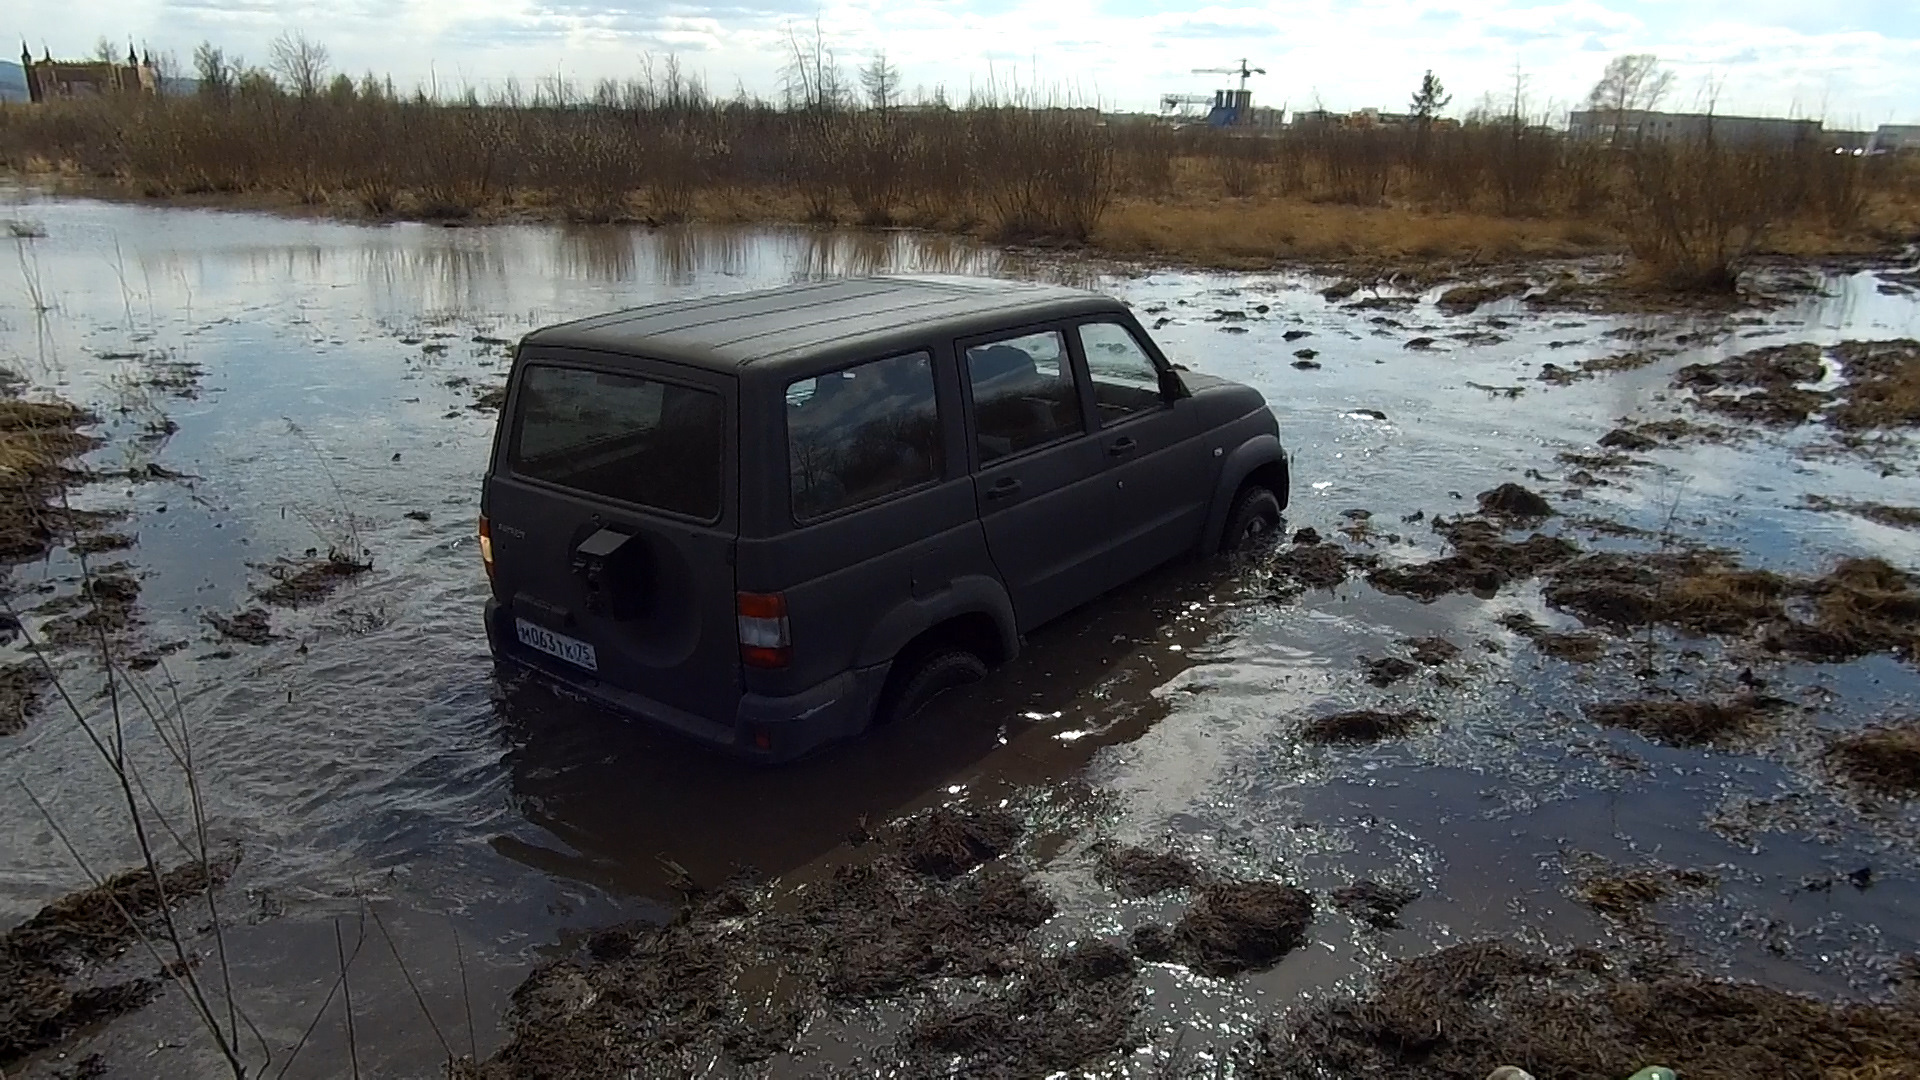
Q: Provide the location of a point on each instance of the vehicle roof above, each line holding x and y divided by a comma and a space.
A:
783, 326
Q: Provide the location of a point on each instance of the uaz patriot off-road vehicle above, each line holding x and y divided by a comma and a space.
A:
767, 520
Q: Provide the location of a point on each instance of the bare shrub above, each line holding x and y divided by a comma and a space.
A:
1696, 213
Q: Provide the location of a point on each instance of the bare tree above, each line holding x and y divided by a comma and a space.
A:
881, 81
812, 79
1631, 82
216, 73
103, 51
300, 62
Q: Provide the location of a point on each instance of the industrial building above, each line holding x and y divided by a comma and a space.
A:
1895, 138
1630, 125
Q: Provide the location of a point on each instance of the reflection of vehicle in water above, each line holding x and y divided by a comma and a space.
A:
631, 807
764, 520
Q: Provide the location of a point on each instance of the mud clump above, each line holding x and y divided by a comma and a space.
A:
1686, 723
1582, 1016
1432, 651
1388, 670
1695, 591
1573, 648
1375, 904
1883, 759
37, 438
680, 998
1138, 872
1057, 1015
1483, 561
1899, 517
38, 1008
250, 627
20, 686
1362, 726
109, 600
1309, 564
305, 581
1760, 386
1232, 927
1515, 503
1462, 299
948, 842
1861, 606
492, 399
1631, 441
1625, 894
1883, 384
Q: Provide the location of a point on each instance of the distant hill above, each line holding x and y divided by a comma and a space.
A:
13, 81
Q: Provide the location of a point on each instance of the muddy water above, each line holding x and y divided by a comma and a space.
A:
316, 380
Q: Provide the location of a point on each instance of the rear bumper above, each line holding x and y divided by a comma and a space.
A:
762, 728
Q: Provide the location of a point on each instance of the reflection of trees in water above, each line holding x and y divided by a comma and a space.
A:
817, 254
596, 252
877, 433
449, 273
681, 251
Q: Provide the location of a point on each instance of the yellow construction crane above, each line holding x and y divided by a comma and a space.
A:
1243, 71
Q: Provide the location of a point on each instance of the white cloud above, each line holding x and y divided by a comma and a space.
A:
1860, 65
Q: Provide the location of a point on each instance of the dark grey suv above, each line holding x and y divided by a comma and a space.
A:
768, 519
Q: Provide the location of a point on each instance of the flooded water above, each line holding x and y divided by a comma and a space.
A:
311, 384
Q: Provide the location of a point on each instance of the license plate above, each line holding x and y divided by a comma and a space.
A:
572, 650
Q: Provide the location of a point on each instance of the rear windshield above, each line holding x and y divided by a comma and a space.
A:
623, 437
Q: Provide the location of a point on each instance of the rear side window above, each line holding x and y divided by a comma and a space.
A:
624, 437
1023, 394
862, 434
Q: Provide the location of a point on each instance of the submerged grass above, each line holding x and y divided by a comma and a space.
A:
1581, 1015
1884, 759
39, 1007
1687, 723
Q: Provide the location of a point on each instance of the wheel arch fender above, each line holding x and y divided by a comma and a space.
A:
971, 595
1260, 454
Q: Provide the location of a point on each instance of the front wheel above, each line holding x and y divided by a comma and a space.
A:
1252, 521
927, 678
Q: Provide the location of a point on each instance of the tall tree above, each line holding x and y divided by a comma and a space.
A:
216, 73
1631, 82
1429, 99
881, 81
300, 62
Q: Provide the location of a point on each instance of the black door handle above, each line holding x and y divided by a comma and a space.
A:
1003, 487
1122, 445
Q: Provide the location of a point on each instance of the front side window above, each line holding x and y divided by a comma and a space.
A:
862, 434
1023, 394
624, 437
1125, 381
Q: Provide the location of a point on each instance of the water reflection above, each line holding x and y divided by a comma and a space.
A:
634, 805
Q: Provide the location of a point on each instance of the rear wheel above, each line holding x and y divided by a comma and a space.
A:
923, 679
1252, 521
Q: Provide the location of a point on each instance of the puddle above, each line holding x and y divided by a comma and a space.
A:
275, 393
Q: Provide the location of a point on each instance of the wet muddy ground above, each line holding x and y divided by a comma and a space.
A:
1661, 714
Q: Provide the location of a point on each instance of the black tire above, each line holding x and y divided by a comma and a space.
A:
927, 678
1254, 519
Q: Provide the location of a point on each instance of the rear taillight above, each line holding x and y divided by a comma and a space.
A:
765, 641
486, 547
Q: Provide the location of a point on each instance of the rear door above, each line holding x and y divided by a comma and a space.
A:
1159, 476
612, 504
1037, 478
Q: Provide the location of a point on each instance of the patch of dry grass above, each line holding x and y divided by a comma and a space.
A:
1260, 231
1885, 759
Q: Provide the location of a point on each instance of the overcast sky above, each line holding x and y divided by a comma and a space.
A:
1852, 62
